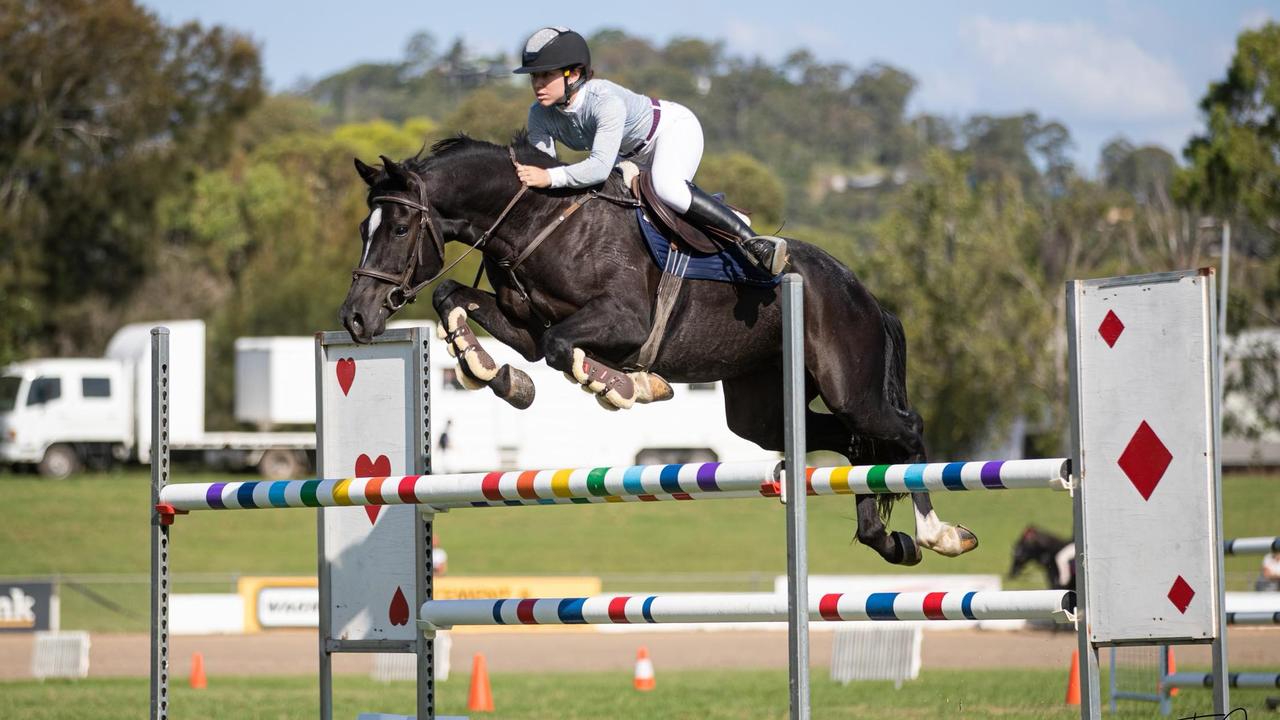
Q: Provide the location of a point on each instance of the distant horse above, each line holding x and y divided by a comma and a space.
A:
584, 302
1042, 548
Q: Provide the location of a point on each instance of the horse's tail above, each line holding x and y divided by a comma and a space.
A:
895, 388
895, 361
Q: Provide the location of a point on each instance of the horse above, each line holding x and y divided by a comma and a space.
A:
583, 302
1040, 547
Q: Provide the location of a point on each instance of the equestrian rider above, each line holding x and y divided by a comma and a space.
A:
586, 113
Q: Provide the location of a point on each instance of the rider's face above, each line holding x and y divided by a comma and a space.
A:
548, 86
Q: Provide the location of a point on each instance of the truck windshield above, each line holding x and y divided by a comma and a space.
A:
9, 392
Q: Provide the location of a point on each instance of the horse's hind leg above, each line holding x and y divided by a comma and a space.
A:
932, 532
455, 303
754, 410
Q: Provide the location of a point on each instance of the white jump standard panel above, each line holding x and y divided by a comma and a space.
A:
1148, 518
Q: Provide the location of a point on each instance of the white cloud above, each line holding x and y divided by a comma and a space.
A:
1076, 69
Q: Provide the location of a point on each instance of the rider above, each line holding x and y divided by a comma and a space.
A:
616, 124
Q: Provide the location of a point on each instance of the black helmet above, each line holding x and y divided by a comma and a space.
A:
552, 48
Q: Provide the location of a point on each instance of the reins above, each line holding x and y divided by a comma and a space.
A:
403, 293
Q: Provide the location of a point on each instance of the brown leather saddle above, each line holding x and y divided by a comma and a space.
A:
674, 227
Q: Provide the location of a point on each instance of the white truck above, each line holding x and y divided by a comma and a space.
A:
64, 414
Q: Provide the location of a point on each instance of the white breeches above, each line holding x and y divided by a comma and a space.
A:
1063, 560
674, 154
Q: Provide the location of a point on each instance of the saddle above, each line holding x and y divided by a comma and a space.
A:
676, 228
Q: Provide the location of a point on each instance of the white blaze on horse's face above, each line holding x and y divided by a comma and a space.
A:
371, 227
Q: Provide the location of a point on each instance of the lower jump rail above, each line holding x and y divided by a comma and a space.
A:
1056, 605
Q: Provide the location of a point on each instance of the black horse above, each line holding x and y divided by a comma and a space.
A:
584, 300
1035, 545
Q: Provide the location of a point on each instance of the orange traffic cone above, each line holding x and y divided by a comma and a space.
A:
1073, 680
1173, 668
480, 699
644, 680
198, 680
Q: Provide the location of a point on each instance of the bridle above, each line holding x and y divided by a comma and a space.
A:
402, 292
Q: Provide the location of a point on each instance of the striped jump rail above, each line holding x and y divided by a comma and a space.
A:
1235, 680
749, 607
1251, 546
1253, 617
635, 483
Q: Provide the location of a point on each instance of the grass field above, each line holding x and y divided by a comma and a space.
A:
98, 524
703, 695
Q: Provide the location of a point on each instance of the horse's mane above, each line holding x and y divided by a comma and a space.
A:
462, 146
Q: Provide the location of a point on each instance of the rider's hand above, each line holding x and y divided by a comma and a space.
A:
533, 176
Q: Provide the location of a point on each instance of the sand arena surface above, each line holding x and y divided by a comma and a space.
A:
294, 652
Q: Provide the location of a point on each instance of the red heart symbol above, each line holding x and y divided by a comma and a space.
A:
372, 468
346, 374
398, 613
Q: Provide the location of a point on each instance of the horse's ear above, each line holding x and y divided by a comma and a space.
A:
397, 171
369, 173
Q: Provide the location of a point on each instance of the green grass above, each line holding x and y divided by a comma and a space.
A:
703, 695
93, 524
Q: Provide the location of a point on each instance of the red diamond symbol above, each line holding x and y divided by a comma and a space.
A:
1111, 328
1144, 460
1180, 595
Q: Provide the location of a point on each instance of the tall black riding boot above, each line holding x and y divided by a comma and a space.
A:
766, 252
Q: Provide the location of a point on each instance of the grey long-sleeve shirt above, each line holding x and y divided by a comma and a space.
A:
605, 118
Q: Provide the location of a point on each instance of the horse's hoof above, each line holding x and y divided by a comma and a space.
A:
513, 386
605, 403
441, 332
650, 387
968, 540
907, 547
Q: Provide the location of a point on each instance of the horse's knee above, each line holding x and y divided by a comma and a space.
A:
558, 351
442, 292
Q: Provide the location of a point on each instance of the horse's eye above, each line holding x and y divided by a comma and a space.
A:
402, 230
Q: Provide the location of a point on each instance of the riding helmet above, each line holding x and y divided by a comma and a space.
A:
553, 48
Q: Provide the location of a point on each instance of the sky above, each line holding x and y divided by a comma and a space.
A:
1104, 69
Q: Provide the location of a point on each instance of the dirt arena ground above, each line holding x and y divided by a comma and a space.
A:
294, 652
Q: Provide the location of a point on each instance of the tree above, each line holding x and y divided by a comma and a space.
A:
490, 114
956, 263
93, 131
1235, 164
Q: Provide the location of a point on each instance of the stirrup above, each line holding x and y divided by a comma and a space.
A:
772, 259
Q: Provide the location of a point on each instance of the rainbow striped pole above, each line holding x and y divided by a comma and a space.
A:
636, 483
748, 607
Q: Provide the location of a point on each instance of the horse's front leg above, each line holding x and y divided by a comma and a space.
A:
933, 533
588, 345
456, 303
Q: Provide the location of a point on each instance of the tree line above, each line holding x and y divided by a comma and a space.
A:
157, 178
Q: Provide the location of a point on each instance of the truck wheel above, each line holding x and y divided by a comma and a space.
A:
59, 462
282, 465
